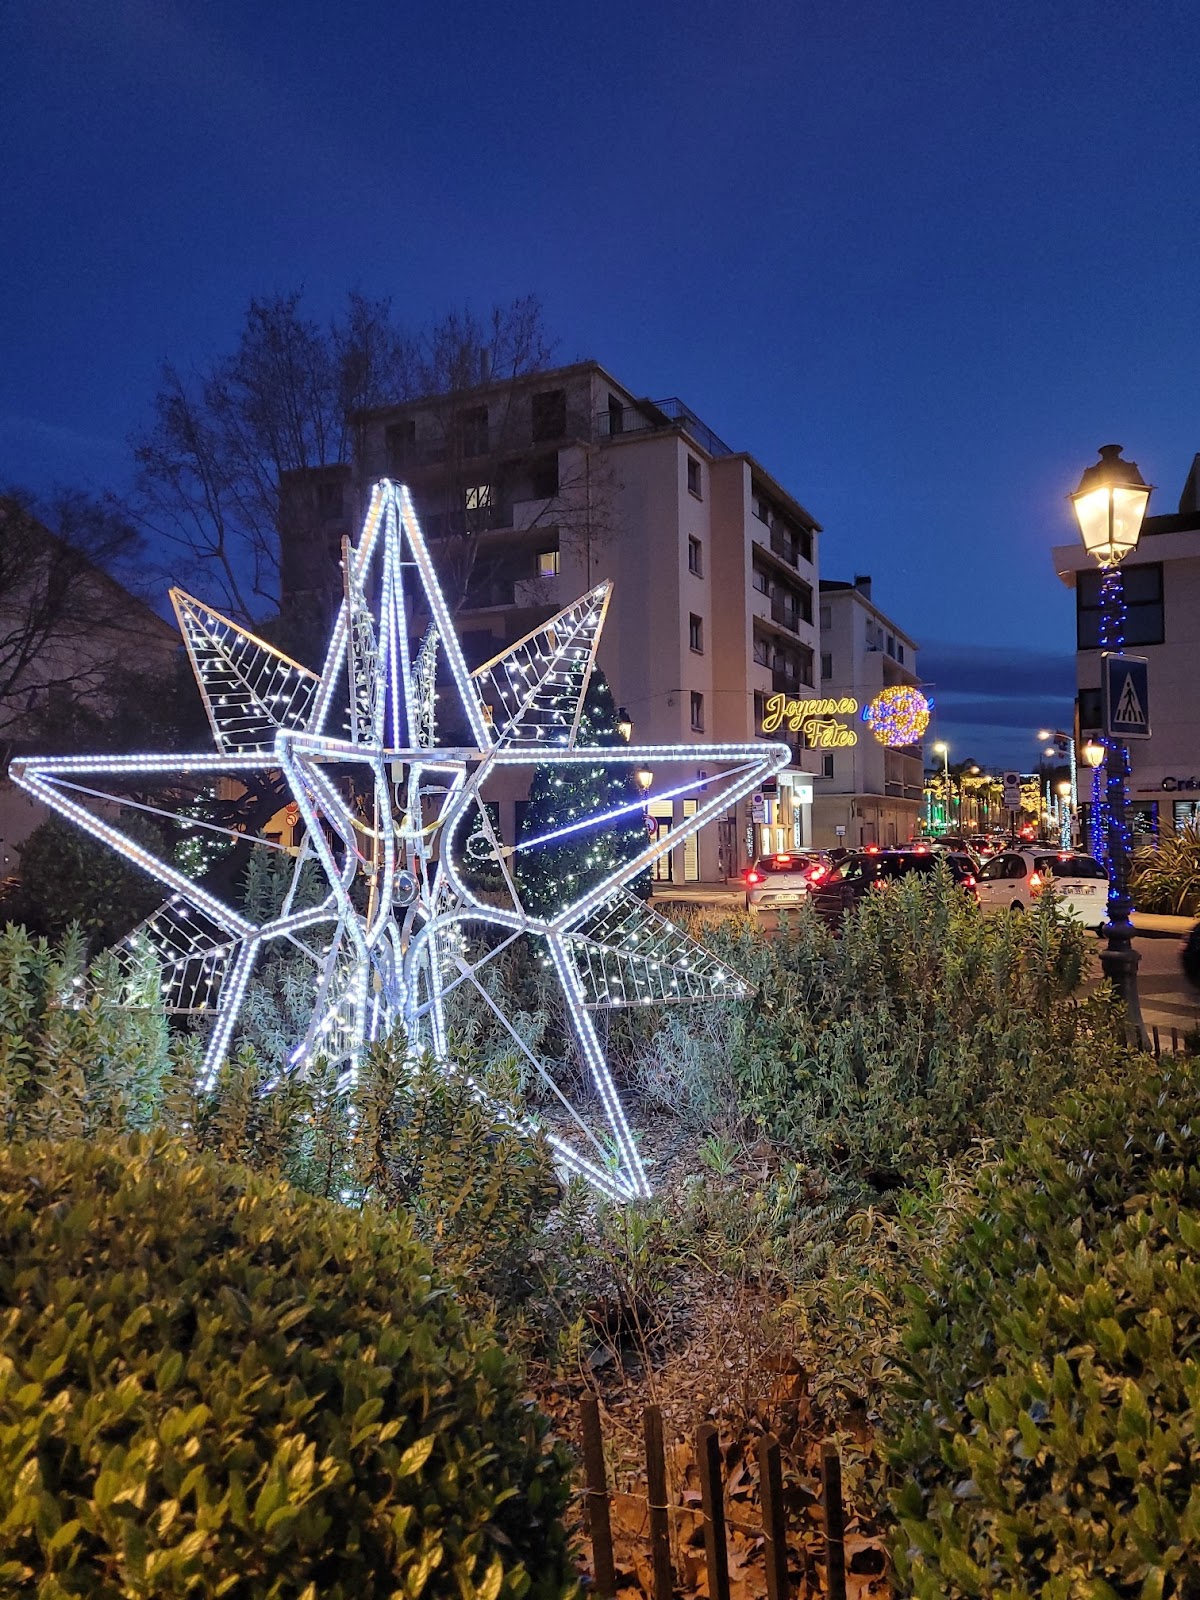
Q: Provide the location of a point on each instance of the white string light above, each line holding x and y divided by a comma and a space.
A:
394, 962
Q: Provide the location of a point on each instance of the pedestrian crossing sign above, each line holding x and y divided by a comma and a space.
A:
1126, 696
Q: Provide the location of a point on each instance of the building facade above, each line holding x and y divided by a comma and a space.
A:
534, 491
865, 793
1161, 584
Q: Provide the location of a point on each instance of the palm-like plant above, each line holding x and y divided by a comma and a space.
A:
1166, 878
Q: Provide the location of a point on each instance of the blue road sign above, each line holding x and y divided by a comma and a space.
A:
1126, 684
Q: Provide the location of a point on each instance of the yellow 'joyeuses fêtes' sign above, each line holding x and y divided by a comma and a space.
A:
816, 719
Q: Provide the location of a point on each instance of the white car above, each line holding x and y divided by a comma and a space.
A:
774, 882
1014, 879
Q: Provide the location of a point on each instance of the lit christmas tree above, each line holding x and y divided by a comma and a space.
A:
551, 875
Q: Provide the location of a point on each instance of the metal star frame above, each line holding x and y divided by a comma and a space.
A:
384, 810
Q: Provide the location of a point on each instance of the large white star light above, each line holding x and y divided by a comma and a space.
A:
386, 812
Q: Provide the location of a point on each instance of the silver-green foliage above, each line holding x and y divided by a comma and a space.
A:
83, 1049
923, 1028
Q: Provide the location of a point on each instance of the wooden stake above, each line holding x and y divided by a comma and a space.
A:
656, 1493
1157, 1045
835, 1523
770, 1488
599, 1522
712, 1502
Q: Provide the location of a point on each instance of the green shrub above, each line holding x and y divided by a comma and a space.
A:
68, 877
924, 1028
1052, 1381
82, 1049
212, 1385
1166, 876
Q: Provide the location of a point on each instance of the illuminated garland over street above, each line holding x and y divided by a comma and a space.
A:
898, 716
383, 808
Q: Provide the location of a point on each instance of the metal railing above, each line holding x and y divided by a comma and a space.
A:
659, 416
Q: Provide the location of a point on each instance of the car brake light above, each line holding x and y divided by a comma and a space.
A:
817, 873
872, 849
783, 861
920, 850
969, 881
754, 877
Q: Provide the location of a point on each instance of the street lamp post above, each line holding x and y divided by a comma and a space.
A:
1109, 506
942, 749
1067, 739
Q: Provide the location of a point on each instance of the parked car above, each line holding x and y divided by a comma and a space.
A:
865, 870
1014, 879
785, 879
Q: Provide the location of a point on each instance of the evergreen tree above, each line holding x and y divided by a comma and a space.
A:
551, 875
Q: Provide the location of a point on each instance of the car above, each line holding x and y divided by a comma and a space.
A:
873, 868
784, 879
1014, 879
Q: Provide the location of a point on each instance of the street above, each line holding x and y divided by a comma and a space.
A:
1168, 1000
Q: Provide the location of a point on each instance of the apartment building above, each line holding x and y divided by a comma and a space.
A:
1161, 582
532, 491
865, 793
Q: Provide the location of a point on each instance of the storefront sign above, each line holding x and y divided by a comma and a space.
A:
816, 719
1171, 785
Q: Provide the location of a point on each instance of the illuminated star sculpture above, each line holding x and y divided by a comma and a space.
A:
386, 814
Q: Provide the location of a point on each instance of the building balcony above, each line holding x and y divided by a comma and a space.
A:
658, 416
531, 593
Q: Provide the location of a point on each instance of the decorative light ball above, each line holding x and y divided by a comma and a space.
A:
898, 715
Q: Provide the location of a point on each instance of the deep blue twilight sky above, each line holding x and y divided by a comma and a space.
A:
919, 258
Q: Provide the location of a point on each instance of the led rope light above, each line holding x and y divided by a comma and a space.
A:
396, 964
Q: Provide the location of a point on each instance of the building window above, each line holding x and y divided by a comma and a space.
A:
761, 580
474, 431
616, 416
1143, 590
899, 652
696, 633
694, 477
891, 645
400, 444
478, 497
329, 501
826, 618
547, 564
1091, 713
697, 712
549, 415
826, 666
543, 477
761, 507
827, 767
695, 557
760, 708
762, 651
804, 543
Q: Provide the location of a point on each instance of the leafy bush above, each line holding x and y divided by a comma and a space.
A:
1166, 877
1052, 1384
210, 1384
68, 877
922, 1029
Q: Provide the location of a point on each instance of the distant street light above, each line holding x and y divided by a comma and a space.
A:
942, 749
1067, 739
1109, 506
